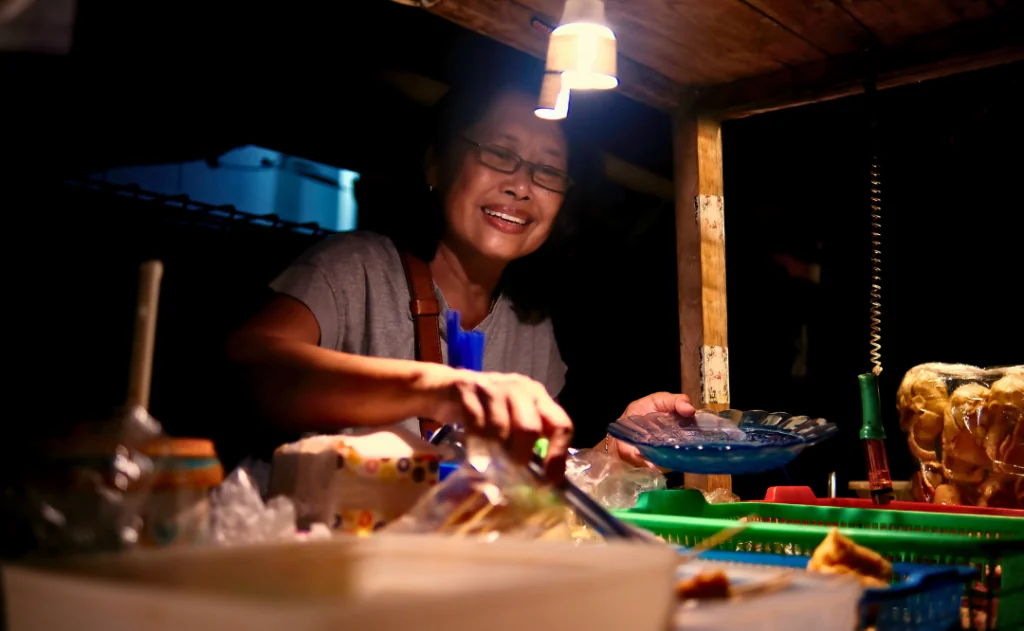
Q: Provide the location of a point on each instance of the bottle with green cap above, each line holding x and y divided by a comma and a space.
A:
872, 435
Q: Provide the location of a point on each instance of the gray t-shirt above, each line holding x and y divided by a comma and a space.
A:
355, 286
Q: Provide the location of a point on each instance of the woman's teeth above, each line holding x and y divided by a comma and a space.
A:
506, 217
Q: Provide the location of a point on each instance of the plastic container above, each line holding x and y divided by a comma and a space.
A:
177, 510
383, 582
900, 489
992, 545
921, 598
965, 428
804, 495
835, 601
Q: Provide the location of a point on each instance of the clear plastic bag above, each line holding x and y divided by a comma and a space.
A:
965, 427
489, 497
614, 483
239, 515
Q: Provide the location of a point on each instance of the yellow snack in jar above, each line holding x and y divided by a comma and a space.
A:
964, 410
1004, 411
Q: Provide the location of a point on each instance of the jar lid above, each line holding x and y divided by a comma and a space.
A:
181, 448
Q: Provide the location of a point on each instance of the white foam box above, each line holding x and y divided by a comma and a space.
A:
809, 602
350, 583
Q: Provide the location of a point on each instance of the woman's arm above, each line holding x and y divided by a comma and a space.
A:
303, 387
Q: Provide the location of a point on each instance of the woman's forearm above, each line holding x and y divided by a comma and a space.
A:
303, 387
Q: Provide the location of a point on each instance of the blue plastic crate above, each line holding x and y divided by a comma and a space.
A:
922, 597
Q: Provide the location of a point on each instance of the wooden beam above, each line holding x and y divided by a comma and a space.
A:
636, 178
967, 47
509, 22
700, 246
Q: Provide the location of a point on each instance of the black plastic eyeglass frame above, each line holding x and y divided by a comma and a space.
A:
532, 166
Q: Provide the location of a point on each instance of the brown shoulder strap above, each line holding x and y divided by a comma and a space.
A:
425, 309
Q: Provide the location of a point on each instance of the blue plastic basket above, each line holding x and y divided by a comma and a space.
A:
921, 598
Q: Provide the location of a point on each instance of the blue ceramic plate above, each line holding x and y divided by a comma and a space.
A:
731, 441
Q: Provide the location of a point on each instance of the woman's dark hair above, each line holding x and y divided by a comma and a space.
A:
529, 281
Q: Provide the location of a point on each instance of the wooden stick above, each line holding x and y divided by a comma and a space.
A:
461, 510
713, 541
471, 523
140, 376
771, 584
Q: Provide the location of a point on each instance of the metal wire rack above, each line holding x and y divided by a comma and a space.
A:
223, 217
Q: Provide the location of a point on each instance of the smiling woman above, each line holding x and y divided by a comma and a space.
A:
336, 346
483, 128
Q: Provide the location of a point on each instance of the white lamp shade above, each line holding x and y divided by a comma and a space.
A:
583, 48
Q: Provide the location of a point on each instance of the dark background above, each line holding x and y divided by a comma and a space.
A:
161, 82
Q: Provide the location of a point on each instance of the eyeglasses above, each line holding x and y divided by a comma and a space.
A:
506, 161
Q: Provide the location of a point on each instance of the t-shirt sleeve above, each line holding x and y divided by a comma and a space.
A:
556, 369
309, 283
331, 279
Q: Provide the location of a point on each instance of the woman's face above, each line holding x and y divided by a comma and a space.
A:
503, 216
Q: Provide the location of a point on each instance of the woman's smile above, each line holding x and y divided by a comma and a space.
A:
507, 219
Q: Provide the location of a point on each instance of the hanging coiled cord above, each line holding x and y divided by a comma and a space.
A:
870, 91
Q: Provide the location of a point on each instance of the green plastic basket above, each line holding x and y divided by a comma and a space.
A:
986, 543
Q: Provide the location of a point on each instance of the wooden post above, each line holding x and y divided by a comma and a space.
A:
700, 246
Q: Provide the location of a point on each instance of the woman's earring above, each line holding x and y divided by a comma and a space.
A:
430, 187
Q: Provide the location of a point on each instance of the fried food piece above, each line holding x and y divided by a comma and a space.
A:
922, 390
948, 494
965, 409
997, 491
839, 555
714, 584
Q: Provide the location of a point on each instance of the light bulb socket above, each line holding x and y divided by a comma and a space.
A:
583, 11
554, 98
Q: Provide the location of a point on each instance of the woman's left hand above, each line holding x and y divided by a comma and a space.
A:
663, 402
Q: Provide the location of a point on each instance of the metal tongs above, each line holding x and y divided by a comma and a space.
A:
592, 513
465, 350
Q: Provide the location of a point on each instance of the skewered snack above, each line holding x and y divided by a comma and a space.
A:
839, 555
714, 584
965, 427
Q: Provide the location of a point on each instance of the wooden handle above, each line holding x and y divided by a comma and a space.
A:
141, 375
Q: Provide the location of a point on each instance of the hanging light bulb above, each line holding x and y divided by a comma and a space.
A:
554, 98
582, 47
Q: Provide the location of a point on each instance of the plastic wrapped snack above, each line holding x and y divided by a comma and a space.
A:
354, 483
614, 483
490, 497
965, 427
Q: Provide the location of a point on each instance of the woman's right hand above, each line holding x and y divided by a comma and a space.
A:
512, 408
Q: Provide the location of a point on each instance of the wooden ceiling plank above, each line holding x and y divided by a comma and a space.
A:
650, 49
892, 21
724, 37
819, 21
696, 42
676, 58
966, 47
509, 23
